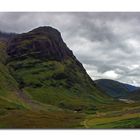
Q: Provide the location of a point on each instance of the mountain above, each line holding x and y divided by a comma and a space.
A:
8, 85
46, 69
114, 88
134, 95
42, 84
6, 36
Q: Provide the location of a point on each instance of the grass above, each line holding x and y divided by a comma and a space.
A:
60, 83
126, 123
8, 85
127, 117
18, 113
42, 119
59, 97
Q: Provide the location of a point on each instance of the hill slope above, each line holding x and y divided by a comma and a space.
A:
8, 85
134, 95
17, 110
114, 88
47, 70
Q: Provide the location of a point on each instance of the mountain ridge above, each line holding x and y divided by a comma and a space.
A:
114, 88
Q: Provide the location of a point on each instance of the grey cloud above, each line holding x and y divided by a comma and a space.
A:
103, 42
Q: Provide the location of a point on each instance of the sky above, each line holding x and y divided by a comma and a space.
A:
107, 44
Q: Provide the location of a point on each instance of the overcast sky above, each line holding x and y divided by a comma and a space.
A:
107, 44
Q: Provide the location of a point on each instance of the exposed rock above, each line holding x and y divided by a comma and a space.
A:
43, 42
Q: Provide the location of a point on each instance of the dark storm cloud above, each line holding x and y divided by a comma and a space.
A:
108, 44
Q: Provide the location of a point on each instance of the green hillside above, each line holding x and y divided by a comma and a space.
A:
134, 95
48, 71
114, 89
19, 111
8, 85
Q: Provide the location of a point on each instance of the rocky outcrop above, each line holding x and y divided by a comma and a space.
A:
43, 42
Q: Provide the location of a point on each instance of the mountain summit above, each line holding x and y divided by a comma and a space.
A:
43, 42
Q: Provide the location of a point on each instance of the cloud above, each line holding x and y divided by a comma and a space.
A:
108, 44
110, 74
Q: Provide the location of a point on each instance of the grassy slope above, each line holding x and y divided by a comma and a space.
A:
16, 112
57, 83
115, 88
41, 119
8, 85
120, 116
135, 95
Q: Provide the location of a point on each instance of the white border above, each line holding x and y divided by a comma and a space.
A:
69, 135
69, 5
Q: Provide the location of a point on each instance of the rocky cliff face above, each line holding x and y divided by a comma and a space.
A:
43, 42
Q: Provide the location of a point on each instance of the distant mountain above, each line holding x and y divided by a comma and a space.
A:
114, 88
134, 95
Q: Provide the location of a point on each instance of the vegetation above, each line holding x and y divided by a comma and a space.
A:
8, 85
114, 88
128, 117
